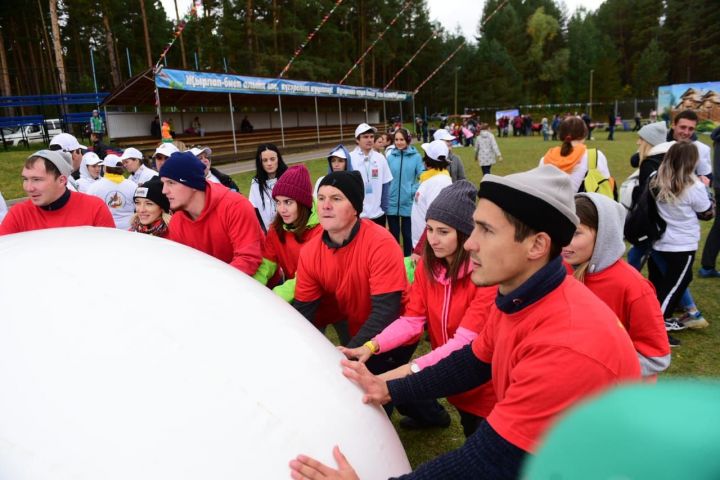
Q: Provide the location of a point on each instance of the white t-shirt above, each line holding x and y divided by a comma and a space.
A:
375, 173
426, 193
704, 165
3, 208
83, 183
577, 175
142, 175
118, 197
683, 227
267, 212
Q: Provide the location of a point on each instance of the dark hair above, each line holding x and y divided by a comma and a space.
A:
572, 128
115, 170
49, 166
405, 134
687, 115
298, 228
523, 231
459, 258
588, 215
440, 164
261, 175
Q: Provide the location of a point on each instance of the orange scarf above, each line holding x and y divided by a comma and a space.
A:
566, 164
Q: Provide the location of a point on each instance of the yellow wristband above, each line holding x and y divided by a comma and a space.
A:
371, 346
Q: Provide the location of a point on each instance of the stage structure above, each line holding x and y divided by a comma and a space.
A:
182, 88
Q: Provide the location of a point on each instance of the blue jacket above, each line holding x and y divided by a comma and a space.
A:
406, 166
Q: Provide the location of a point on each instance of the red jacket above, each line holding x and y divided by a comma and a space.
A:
286, 254
79, 211
227, 229
446, 307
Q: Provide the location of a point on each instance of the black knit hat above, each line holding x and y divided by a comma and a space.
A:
152, 190
454, 206
350, 184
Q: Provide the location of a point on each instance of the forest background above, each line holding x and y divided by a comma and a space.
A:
529, 52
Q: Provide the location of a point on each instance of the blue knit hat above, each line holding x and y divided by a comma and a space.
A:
185, 168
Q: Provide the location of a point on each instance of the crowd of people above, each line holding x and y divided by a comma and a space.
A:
520, 283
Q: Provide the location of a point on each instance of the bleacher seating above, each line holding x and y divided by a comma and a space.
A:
221, 143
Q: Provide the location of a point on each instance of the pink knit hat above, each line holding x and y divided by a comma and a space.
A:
295, 184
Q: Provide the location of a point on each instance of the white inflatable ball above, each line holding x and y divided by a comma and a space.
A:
128, 356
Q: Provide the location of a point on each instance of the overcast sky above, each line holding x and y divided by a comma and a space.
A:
450, 13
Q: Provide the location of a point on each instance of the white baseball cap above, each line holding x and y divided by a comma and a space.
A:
91, 158
112, 160
364, 128
340, 153
66, 142
131, 153
436, 149
166, 149
442, 134
197, 151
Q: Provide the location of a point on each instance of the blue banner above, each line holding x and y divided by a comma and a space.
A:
225, 83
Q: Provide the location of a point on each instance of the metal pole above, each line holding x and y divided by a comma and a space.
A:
92, 64
366, 112
232, 112
317, 121
413, 111
456, 70
282, 128
384, 115
158, 108
590, 102
127, 53
341, 122
401, 113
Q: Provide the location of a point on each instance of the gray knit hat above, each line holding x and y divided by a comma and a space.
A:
542, 198
63, 165
454, 206
654, 133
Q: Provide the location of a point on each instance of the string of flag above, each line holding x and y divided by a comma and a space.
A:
457, 49
434, 34
179, 29
309, 38
372, 45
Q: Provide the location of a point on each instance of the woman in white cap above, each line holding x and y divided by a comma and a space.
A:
89, 171
162, 153
338, 161
432, 181
132, 160
152, 209
444, 300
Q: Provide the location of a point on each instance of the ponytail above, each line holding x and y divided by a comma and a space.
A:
567, 147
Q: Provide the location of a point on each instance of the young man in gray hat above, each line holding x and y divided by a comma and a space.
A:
549, 342
50, 203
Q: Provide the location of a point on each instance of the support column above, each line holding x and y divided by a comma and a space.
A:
317, 121
282, 127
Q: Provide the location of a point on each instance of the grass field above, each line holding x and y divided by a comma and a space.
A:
698, 356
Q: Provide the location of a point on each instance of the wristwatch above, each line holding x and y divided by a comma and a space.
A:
414, 367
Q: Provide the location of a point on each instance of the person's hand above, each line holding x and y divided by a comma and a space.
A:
500, 159
361, 353
304, 467
415, 258
376, 390
705, 180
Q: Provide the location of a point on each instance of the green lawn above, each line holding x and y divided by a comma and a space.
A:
696, 357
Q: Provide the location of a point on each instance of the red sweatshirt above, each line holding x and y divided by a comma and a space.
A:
227, 229
447, 307
286, 254
79, 211
370, 264
632, 297
547, 356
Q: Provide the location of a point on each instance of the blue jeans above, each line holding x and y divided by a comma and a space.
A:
634, 258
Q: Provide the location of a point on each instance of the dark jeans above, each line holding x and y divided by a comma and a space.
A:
485, 169
470, 422
611, 133
671, 284
398, 224
426, 411
380, 220
712, 243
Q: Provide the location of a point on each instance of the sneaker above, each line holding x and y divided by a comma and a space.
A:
694, 320
674, 342
674, 325
410, 423
708, 273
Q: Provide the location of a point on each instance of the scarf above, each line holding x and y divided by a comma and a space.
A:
566, 164
157, 229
